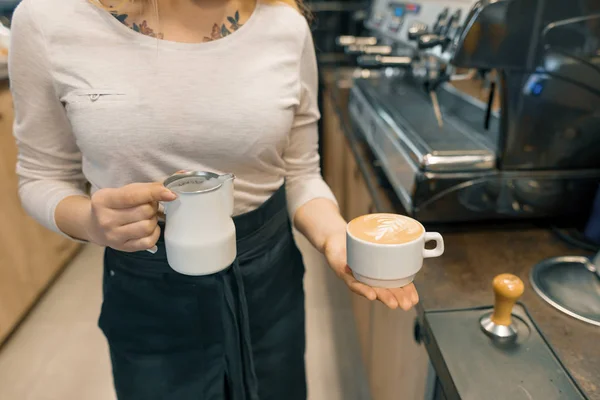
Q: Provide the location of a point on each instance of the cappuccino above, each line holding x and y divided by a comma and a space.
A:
385, 228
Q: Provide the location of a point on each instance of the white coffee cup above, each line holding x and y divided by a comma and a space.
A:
389, 264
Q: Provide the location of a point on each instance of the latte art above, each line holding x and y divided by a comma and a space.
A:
385, 228
390, 225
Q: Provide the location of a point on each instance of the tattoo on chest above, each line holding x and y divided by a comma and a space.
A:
142, 28
222, 31
217, 32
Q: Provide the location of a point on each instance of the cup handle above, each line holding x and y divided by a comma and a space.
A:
439, 245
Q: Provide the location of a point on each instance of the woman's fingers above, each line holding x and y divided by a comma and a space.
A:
363, 290
144, 243
406, 296
134, 195
139, 229
136, 214
357, 287
414, 294
387, 298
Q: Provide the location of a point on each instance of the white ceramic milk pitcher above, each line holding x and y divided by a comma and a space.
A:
200, 233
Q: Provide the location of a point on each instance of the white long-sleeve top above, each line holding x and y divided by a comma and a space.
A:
96, 101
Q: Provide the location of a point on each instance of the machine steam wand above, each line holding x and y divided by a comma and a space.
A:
440, 36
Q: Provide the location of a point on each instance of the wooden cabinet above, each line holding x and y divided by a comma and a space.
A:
358, 202
343, 176
334, 157
396, 365
30, 255
358, 199
363, 312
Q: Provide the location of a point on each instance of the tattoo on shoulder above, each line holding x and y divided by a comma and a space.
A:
219, 32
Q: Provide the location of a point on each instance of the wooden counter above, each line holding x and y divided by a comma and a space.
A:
30, 255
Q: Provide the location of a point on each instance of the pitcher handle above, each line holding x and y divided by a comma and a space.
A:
163, 210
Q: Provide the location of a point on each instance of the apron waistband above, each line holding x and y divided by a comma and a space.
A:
275, 208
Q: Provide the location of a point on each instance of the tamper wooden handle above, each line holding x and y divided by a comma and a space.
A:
508, 289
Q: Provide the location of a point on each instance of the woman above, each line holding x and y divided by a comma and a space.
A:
120, 95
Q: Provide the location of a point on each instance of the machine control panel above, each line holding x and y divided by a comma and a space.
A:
376, 21
394, 24
397, 15
402, 9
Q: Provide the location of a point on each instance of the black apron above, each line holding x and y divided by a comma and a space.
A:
238, 334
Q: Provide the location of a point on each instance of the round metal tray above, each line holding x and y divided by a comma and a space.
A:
568, 285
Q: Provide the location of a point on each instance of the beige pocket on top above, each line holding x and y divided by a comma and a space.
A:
96, 98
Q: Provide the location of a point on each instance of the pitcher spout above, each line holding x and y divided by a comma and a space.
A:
226, 178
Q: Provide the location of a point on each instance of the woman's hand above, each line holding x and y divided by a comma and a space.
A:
335, 252
322, 224
126, 218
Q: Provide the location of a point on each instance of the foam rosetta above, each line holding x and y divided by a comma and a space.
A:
385, 228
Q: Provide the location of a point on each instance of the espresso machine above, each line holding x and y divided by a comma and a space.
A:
482, 110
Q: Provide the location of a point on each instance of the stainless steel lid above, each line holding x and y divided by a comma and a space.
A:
194, 182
